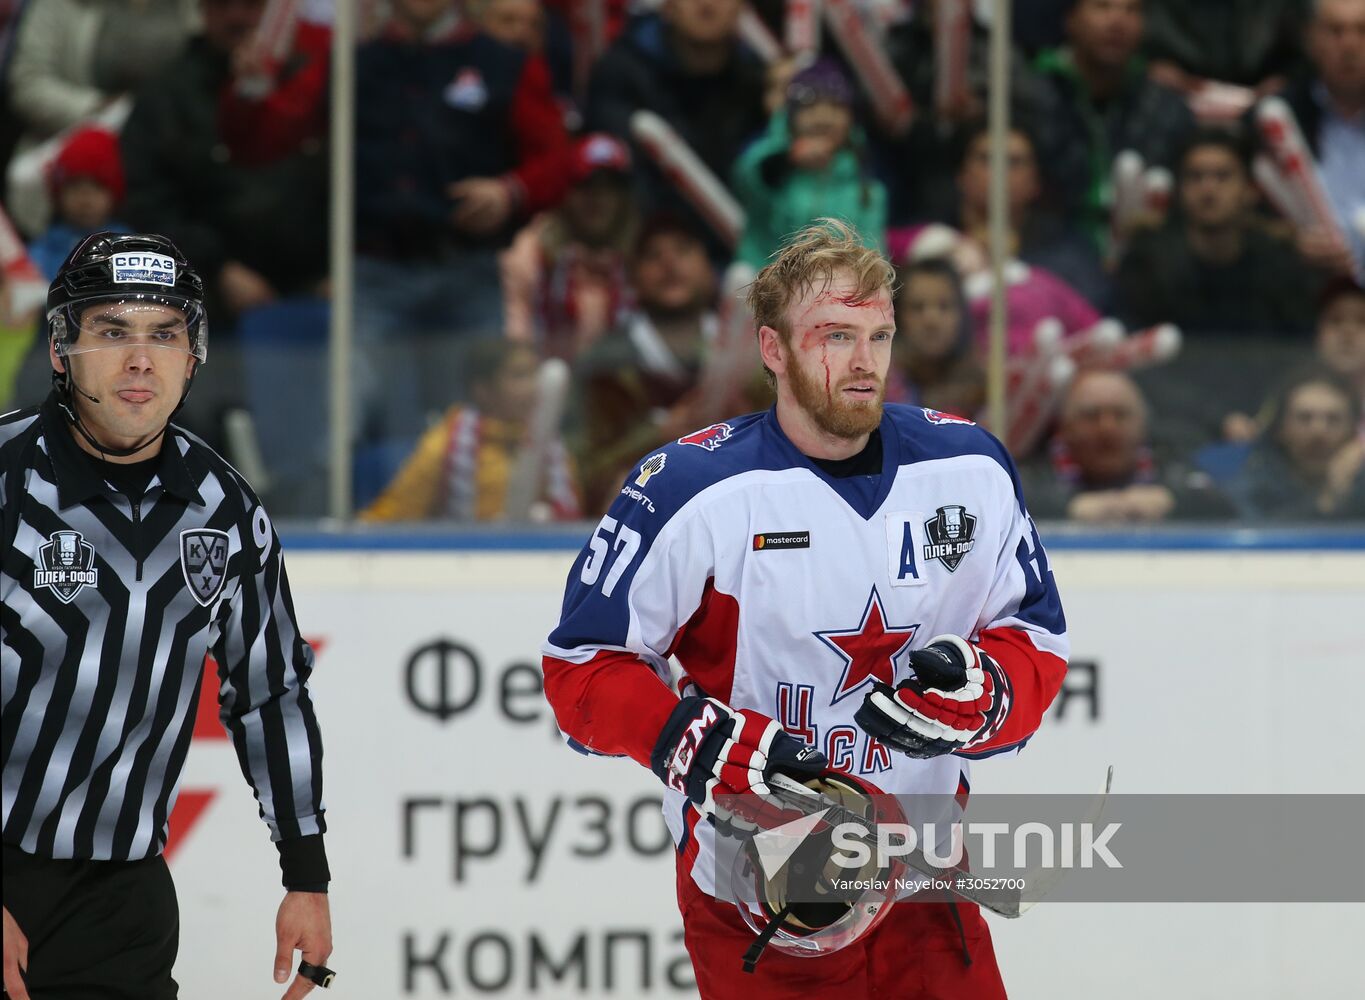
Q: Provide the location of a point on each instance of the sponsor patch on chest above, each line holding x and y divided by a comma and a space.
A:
782, 540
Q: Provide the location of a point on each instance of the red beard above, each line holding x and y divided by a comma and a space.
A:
833, 411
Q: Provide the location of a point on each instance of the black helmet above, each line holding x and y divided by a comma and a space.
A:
132, 266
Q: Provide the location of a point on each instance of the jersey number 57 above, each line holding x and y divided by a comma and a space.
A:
627, 545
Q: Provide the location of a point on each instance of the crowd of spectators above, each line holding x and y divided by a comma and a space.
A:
512, 215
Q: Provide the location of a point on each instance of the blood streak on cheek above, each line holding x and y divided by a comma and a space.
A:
824, 360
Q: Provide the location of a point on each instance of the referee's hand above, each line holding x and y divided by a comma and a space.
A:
16, 959
304, 924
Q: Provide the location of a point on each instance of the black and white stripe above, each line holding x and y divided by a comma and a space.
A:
98, 694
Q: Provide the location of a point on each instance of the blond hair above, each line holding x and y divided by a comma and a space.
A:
811, 259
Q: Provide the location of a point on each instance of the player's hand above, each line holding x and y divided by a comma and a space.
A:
707, 749
16, 959
304, 924
482, 205
955, 697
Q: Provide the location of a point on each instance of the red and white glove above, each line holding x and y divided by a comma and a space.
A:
707, 749
957, 697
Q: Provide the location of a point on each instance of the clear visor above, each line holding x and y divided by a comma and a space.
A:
137, 322
821, 898
814, 928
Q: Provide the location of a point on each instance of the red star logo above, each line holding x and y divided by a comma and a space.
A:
868, 651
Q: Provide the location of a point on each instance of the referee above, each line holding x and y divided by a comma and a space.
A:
128, 550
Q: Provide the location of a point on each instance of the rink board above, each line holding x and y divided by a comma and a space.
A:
474, 854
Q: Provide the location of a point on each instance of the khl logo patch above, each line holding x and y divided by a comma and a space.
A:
951, 533
203, 557
66, 565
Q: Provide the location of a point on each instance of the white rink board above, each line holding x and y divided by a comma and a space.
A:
1192, 650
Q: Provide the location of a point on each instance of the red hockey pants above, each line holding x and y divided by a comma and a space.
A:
916, 953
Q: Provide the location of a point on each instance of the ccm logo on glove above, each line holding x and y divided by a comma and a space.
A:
686, 753
707, 749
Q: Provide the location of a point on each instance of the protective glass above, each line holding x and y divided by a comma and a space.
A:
166, 323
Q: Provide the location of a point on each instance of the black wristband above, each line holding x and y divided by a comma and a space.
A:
303, 864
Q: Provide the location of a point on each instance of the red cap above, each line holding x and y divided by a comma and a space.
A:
92, 153
599, 151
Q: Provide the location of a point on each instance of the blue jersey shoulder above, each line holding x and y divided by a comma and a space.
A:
932, 434
663, 481
660, 484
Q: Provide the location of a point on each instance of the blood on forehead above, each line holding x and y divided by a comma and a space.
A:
851, 298
826, 311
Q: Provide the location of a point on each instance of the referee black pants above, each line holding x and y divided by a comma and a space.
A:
97, 930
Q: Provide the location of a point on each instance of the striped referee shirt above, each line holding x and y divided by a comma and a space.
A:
108, 605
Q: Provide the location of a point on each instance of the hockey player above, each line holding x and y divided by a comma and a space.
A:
846, 585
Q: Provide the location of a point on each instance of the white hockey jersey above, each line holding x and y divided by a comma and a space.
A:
784, 590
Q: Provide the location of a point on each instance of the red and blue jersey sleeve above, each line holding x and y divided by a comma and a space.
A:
636, 583
1023, 629
643, 589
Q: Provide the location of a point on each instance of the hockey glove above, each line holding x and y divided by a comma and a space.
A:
955, 698
707, 749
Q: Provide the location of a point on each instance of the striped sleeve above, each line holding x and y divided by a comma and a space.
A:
264, 703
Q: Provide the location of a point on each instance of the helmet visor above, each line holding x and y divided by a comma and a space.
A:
853, 903
140, 321
796, 883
